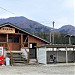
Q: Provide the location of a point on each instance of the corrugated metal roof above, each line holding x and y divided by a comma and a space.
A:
22, 30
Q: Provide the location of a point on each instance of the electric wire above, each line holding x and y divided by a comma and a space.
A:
7, 10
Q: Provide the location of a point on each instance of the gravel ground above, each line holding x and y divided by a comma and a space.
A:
39, 69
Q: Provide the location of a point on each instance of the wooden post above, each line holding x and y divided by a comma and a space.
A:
28, 41
27, 57
7, 42
11, 58
21, 40
7, 37
11, 54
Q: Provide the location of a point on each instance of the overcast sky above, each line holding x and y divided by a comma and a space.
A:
42, 11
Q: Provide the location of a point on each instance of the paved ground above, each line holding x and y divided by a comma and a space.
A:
52, 69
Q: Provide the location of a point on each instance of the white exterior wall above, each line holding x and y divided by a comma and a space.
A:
41, 55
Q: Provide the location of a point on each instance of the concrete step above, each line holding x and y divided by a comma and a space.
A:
17, 57
32, 61
19, 61
14, 52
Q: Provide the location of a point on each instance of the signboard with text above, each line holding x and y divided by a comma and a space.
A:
7, 30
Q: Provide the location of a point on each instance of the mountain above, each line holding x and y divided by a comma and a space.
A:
67, 29
27, 24
33, 26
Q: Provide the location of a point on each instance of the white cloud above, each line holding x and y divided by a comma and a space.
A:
74, 12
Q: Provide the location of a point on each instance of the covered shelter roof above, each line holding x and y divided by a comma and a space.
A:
56, 46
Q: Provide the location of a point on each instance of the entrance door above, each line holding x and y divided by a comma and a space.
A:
32, 51
14, 42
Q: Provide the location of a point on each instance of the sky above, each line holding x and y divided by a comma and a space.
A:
42, 11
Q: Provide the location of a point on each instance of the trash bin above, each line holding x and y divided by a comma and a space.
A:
7, 61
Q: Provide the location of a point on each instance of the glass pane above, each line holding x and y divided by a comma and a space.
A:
10, 39
16, 40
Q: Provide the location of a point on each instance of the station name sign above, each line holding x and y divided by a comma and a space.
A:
7, 30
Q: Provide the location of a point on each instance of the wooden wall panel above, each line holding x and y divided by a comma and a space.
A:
32, 39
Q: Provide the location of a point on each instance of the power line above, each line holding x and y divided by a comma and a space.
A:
7, 10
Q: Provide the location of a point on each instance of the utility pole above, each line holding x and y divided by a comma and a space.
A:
70, 39
53, 33
50, 37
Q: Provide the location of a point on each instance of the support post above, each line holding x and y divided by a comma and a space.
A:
7, 38
11, 54
11, 57
50, 37
53, 33
27, 57
69, 40
21, 40
57, 55
7, 42
73, 55
66, 56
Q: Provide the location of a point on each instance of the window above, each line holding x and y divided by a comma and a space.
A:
16, 40
13, 39
2, 38
10, 39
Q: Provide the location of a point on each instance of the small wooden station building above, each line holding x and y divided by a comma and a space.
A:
13, 38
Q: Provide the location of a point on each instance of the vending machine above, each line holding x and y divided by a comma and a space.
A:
1, 56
